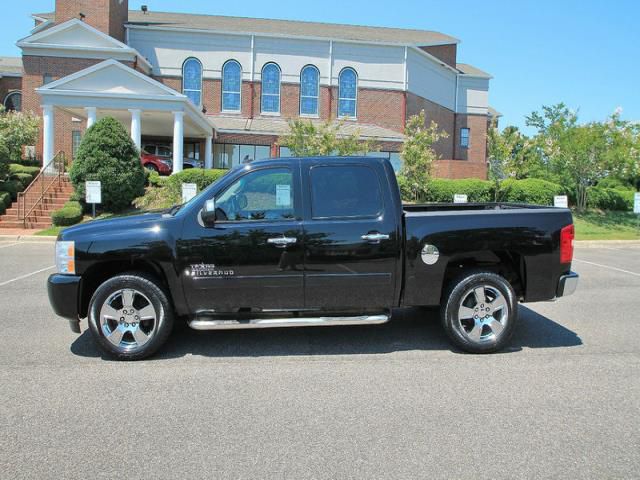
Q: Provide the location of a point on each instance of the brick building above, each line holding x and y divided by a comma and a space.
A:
220, 90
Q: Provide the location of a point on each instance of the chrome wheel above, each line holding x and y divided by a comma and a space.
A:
128, 319
483, 314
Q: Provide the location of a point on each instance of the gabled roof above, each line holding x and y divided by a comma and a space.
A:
11, 66
472, 71
76, 35
285, 28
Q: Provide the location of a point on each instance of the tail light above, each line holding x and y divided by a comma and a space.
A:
567, 235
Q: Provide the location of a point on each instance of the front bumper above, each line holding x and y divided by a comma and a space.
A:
567, 284
64, 291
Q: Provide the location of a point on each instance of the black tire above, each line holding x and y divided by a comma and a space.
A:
152, 167
479, 334
147, 292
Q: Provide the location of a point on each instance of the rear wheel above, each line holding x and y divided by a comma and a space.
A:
480, 312
130, 316
151, 166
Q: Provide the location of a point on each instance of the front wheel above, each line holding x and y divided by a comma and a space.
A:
130, 316
480, 312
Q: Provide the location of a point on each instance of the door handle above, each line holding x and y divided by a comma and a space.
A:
282, 242
375, 237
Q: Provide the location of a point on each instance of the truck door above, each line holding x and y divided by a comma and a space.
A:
251, 258
352, 237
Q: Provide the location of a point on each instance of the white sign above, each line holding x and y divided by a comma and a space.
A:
283, 195
561, 201
93, 191
459, 198
636, 203
189, 190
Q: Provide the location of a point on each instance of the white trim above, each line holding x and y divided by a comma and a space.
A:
280, 134
330, 64
253, 63
406, 69
282, 35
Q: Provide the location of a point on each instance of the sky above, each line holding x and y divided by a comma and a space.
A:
583, 53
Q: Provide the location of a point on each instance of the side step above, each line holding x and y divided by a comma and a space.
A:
215, 324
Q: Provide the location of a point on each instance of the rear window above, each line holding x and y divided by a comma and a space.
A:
345, 191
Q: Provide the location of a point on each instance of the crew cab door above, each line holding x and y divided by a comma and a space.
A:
251, 258
352, 237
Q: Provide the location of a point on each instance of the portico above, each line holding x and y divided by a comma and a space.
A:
143, 105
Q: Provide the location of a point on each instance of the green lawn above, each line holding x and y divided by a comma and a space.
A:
598, 225
54, 231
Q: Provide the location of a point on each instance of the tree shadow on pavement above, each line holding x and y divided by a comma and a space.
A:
409, 329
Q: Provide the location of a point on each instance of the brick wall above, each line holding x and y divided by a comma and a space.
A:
444, 117
108, 16
447, 53
477, 150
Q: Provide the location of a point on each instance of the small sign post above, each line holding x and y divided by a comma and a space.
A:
93, 193
636, 203
189, 190
460, 198
561, 201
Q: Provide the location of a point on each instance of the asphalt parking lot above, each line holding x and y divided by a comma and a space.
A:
387, 401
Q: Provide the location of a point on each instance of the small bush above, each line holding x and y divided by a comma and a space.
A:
5, 199
610, 198
155, 180
201, 177
69, 214
108, 154
23, 179
11, 186
529, 190
19, 168
443, 190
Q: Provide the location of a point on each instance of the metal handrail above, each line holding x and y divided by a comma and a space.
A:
58, 163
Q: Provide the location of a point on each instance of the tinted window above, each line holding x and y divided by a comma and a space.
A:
260, 195
345, 191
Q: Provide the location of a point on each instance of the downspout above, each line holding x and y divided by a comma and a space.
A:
330, 78
251, 87
405, 90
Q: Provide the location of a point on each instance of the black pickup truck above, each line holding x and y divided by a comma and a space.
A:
306, 242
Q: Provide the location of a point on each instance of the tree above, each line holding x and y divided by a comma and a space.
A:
306, 139
418, 154
108, 154
17, 129
580, 155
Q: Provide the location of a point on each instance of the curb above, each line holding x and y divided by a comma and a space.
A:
606, 243
28, 238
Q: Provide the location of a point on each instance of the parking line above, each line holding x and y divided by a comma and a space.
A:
10, 245
26, 276
603, 266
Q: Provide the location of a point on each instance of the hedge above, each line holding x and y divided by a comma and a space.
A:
23, 179
443, 190
5, 199
17, 168
69, 214
201, 177
530, 190
610, 198
11, 186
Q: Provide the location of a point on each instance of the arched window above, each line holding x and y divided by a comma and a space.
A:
309, 90
270, 102
13, 102
231, 86
192, 80
347, 92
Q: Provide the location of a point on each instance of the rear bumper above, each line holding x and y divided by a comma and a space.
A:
64, 291
567, 284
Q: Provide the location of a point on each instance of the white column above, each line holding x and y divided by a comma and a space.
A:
208, 152
136, 127
178, 141
48, 133
92, 112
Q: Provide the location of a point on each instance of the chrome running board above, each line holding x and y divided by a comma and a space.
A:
215, 324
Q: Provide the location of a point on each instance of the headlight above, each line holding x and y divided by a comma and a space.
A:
66, 257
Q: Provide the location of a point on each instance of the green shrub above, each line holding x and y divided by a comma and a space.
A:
69, 214
610, 198
5, 199
529, 190
155, 180
443, 190
19, 168
23, 179
108, 154
11, 186
613, 182
201, 177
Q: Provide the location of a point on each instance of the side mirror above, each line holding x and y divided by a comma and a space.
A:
208, 213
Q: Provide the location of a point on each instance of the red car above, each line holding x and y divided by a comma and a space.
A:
153, 162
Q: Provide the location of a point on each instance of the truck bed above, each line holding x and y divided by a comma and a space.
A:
466, 207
